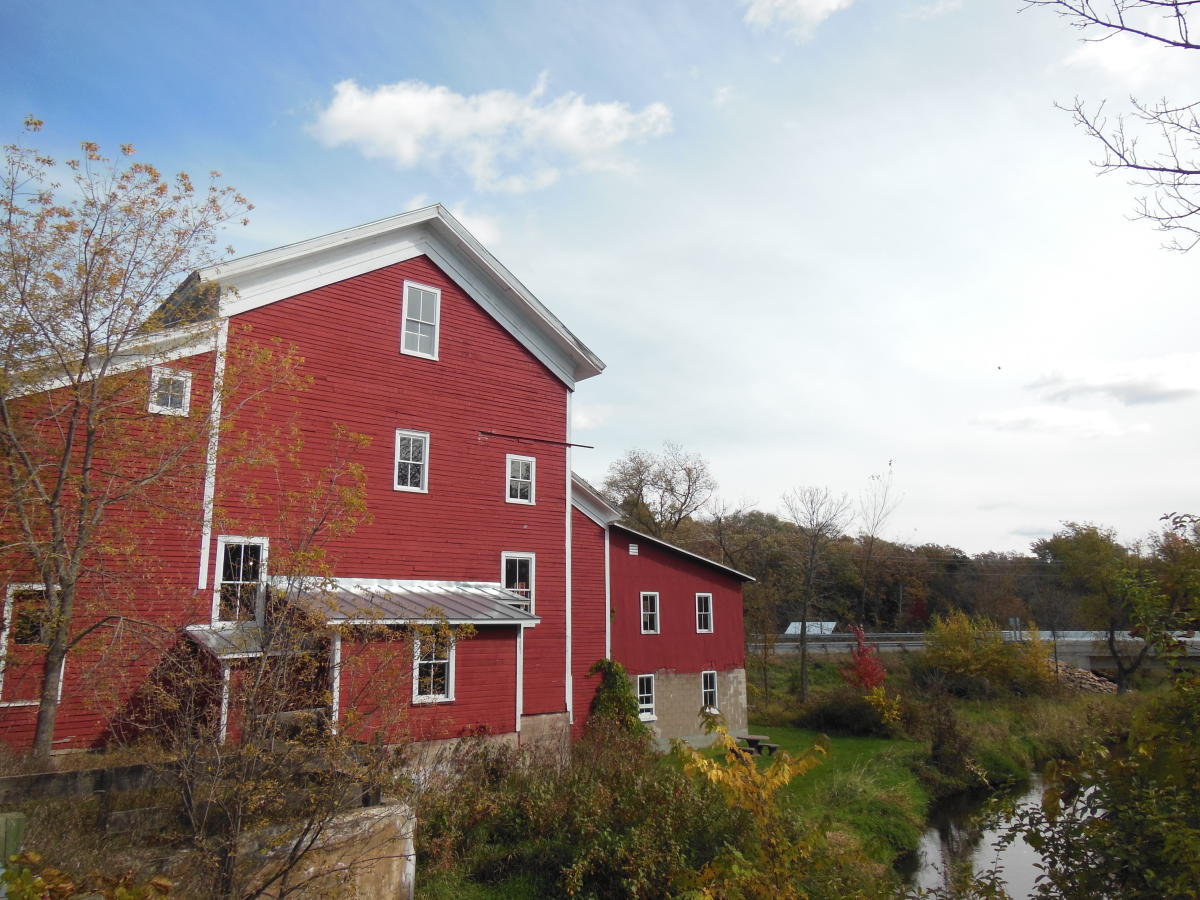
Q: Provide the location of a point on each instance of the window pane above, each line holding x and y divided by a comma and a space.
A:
416, 450
520, 491
412, 341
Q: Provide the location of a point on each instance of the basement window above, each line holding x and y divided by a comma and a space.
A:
708, 691
645, 697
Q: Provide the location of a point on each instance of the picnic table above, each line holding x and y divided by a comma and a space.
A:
758, 743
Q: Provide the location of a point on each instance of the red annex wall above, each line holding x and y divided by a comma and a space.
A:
376, 689
677, 578
589, 612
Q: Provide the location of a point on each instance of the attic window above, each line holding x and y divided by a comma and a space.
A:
422, 310
170, 391
633, 550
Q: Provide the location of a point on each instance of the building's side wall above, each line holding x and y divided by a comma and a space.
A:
349, 335
141, 577
376, 690
589, 611
677, 696
677, 654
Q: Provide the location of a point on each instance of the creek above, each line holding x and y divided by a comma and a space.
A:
954, 836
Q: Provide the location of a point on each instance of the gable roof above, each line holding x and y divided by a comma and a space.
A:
272, 275
590, 502
728, 570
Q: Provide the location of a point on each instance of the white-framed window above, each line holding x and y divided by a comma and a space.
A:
241, 579
704, 614
708, 691
649, 612
170, 391
520, 471
433, 669
645, 698
24, 626
422, 311
517, 575
412, 461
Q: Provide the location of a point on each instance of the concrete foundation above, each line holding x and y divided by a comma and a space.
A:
677, 705
547, 735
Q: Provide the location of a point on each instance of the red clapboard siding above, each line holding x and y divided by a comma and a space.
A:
376, 689
145, 590
677, 578
483, 381
589, 613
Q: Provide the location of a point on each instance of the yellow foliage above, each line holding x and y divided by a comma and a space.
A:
887, 706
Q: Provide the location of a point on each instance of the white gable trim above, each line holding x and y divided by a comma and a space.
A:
264, 278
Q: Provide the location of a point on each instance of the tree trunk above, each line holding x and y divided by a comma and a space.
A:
52, 671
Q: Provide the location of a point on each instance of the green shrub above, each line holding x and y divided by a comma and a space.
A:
618, 820
843, 711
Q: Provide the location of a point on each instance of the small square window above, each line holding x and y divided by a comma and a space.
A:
520, 478
433, 669
645, 697
422, 311
704, 614
412, 461
708, 691
170, 391
517, 576
649, 613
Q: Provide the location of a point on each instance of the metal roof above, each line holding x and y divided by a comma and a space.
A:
228, 640
387, 601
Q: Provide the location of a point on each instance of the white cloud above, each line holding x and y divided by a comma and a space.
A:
1058, 420
586, 417
934, 9
1133, 61
504, 141
722, 95
799, 17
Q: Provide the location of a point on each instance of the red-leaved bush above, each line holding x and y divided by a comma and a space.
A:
864, 670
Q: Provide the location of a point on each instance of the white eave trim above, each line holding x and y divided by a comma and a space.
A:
264, 278
591, 502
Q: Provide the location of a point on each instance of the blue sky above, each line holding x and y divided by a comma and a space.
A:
807, 236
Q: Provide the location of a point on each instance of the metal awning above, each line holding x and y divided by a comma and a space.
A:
369, 601
228, 640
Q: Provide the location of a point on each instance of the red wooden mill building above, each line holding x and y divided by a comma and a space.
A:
414, 335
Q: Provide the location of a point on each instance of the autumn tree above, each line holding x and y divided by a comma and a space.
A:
820, 517
657, 492
88, 270
876, 503
1156, 142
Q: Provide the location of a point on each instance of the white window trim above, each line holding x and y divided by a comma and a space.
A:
715, 705
259, 604
423, 435
508, 479
437, 319
711, 622
448, 697
4, 633
643, 715
505, 556
657, 629
158, 372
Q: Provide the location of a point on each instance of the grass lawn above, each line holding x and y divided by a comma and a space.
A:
865, 785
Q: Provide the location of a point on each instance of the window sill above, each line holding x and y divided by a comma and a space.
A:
410, 490
11, 703
520, 502
647, 717
431, 700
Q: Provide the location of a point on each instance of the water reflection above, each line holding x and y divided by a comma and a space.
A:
955, 836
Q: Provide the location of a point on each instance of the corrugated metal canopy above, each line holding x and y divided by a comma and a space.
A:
381, 601
228, 640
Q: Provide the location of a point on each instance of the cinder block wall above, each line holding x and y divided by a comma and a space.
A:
677, 705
